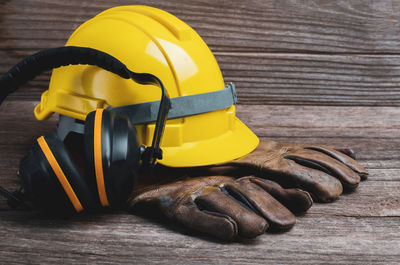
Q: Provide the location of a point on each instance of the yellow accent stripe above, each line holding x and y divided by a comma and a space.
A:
60, 174
98, 161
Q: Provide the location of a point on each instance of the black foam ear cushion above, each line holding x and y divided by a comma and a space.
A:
51, 178
112, 153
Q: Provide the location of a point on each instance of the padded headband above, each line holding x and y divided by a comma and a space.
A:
49, 59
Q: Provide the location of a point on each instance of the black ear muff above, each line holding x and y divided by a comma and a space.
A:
52, 180
112, 153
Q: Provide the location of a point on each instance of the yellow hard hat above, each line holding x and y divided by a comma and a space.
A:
150, 40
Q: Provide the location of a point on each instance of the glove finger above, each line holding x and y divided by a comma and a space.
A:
278, 216
321, 186
214, 224
249, 223
329, 165
347, 151
342, 157
296, 200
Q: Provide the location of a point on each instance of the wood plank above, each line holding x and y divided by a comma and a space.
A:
371, 199
268, 38
297, 79
126, 239
358, 26
365, 122
306, 79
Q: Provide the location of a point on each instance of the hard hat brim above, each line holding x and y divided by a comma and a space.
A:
234, 144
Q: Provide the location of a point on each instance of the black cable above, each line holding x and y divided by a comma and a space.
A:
12, 199
154, 152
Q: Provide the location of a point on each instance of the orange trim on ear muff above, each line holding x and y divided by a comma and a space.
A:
98, 160
60, 174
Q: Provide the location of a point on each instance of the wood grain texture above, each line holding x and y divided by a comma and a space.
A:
278, 52
305, 79
127, 239
359, 26
307, 71
360, 228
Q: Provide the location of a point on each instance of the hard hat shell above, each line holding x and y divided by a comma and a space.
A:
150, 40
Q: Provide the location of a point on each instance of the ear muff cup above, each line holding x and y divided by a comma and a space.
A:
52, 179
125, 158
112, 154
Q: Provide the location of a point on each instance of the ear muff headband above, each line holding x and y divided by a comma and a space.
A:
98, 158
60, 174
49, 59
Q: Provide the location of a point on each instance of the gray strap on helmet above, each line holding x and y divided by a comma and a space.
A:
147, 112
180, 106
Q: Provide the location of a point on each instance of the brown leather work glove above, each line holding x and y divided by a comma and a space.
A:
224, 207
323, 171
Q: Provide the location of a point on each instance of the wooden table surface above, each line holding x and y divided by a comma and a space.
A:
318, 71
